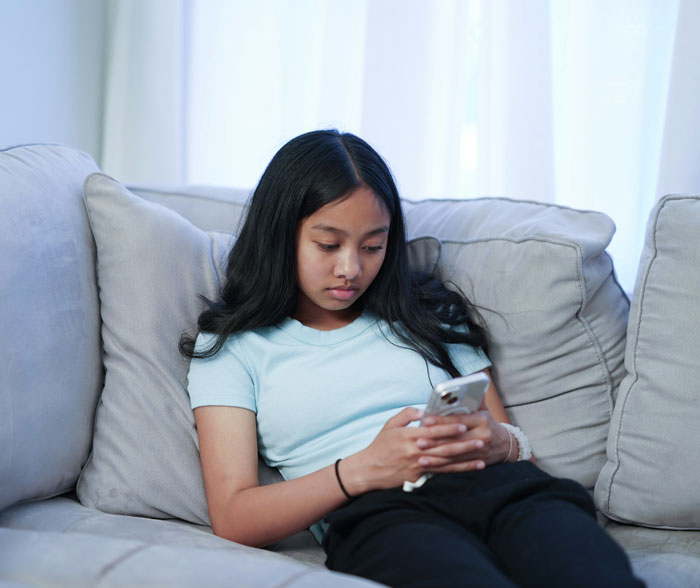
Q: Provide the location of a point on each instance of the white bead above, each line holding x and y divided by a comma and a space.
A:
524, 449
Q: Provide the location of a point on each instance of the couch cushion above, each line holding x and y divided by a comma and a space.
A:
212, 208
661, 557
50, 371
152, 264
69, 516
82, 560
652, 474
556, 315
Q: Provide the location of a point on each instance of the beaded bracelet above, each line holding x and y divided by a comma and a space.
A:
524, 448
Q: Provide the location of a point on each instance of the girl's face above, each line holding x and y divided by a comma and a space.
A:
340, 250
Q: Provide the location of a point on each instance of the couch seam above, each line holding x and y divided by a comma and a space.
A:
98, 400
136, 189
594, 340
593, 336
295, 577
118, 561
502, 199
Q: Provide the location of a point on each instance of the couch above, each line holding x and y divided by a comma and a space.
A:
100, 481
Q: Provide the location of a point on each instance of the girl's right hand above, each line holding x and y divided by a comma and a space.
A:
394, 455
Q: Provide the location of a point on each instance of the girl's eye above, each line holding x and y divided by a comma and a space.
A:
327, 246
374, 248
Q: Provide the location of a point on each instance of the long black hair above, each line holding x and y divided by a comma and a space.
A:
261, 289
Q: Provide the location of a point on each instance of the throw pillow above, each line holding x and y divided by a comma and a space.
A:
151, 266
547, 292
652, 474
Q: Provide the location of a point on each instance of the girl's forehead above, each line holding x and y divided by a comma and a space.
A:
360, 200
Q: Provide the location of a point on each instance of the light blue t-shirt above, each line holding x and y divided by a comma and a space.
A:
319, 395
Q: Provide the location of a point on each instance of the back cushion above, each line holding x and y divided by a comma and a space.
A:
652, 475
210, 208
556, 315
152, 264
50, 358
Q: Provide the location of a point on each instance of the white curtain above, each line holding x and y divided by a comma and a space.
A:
586, 103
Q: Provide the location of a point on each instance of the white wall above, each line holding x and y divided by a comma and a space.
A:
51, 67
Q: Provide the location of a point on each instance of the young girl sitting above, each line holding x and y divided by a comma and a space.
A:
321, 353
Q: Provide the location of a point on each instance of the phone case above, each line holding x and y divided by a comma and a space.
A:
458, 395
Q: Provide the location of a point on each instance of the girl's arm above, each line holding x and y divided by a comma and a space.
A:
493, 403
243, 511
239, 509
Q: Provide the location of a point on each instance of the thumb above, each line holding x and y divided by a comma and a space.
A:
403, 418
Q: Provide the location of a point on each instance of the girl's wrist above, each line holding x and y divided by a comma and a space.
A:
340, 480
349, 477
519, 448
511, 442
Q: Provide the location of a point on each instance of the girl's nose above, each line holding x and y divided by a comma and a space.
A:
348, 266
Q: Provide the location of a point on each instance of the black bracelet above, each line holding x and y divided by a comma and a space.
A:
340, 482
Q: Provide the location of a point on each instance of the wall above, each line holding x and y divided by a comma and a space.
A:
51, 68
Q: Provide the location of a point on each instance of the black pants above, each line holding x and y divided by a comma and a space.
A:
507, 525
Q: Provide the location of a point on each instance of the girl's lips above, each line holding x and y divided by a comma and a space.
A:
342, 293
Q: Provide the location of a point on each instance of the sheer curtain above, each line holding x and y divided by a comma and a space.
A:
586, 103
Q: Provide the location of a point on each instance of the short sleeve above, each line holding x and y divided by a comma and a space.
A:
468, 359
221, 380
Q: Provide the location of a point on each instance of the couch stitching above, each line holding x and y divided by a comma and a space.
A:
118, 561
136, 189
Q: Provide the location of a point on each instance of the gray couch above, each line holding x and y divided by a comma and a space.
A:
100, 483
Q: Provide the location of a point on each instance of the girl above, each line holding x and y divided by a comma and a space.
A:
320, 353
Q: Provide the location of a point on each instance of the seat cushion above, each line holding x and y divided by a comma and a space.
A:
660, 557
85, 560
66, 515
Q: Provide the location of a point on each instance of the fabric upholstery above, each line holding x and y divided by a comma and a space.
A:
50, 368
51, 376
211, 208
556, 315
85, 560
152, 264
69, 516
652, 474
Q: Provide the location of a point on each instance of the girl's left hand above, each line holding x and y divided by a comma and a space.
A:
484, 443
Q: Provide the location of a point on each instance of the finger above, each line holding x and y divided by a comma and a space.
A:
472, 420
440, 465
449, 431
452, 450
403, 418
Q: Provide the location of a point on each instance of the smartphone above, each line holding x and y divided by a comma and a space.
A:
459, 395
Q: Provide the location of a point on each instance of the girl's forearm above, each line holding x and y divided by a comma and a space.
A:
263, 515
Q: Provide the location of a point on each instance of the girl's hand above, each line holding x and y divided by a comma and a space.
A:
485, 442
399, 453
